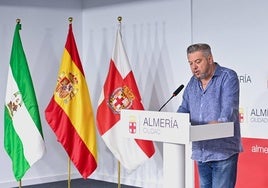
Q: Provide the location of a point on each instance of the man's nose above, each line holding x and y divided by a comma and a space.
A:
195, 66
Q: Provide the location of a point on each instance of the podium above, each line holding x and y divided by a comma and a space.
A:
176, 133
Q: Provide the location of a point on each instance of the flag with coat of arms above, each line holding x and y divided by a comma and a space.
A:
23, 135
69, 112
120, 91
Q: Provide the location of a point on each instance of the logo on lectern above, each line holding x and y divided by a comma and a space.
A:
241, 115
132, 124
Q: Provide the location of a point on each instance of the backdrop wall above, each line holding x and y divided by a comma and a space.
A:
43, 35
156, 34
237, 32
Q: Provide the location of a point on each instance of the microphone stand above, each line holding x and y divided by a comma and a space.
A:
175, 93
166, 103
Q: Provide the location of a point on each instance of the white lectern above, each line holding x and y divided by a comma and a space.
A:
176, 133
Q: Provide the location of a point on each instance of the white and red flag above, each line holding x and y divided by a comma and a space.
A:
120, 91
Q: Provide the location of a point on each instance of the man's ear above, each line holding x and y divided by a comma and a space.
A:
210, 58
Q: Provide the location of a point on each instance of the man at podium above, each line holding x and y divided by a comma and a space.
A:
211, 96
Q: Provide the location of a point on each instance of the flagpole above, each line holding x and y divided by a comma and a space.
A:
119, 170
119, 18
20, 184
18, 22
70, 19
69, 173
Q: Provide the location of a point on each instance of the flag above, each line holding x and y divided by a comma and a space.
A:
121, 92
23, 135
69, 112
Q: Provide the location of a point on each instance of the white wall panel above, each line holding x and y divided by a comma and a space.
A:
43, 35
155, 34
237, 32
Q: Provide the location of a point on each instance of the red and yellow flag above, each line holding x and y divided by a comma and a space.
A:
70, 113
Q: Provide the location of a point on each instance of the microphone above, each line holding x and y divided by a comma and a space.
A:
175, 93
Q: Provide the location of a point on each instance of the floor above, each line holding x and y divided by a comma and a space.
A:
79, 183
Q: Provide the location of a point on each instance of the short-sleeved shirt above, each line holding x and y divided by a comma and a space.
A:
219, 101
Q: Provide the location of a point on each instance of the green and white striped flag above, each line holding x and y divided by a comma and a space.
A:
23, 136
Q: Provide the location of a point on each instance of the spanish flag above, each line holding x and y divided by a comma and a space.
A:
69, 112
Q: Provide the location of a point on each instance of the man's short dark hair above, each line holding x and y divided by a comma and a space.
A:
205, 48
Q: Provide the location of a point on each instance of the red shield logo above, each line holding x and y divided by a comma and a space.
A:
132, 125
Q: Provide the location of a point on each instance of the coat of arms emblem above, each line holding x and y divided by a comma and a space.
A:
15, 103
66, 86
121, 98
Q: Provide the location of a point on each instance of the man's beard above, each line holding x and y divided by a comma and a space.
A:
202, 76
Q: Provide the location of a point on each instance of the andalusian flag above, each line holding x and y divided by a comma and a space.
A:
23, 136
121, 92
70, 114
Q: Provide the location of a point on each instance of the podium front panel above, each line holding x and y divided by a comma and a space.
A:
170, 127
